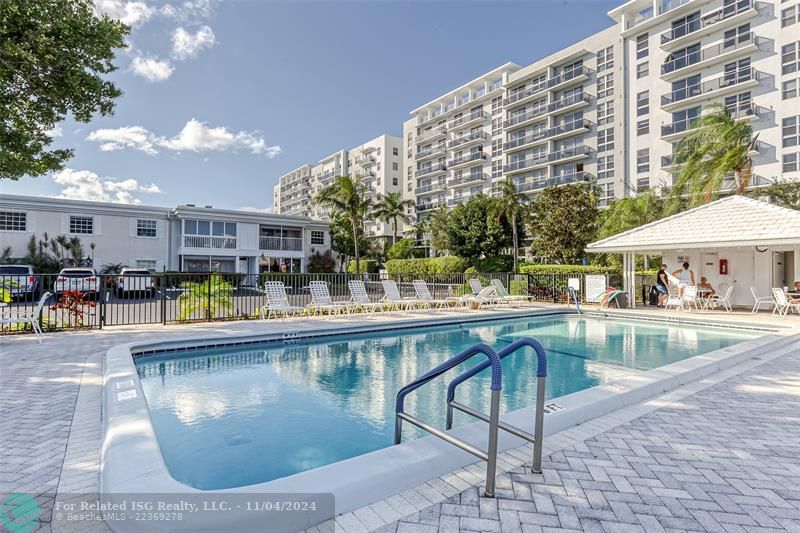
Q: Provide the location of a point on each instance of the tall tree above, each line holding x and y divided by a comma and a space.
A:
512, 206
472, 230
782, 193
53, 55
564, 222
392, 209
631, 212
347, 195
718, 145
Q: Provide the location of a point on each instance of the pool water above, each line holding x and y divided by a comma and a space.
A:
235, 417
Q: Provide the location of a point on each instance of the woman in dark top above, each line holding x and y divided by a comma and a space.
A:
662, 284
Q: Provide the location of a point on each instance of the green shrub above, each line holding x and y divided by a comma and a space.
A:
425, 267
447, 265
370, 266
403, 249
498, 263
567, 269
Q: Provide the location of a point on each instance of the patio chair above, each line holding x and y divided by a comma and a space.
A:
758, 300
724, 301
425, 296
360, 298
475, 288
32, 318
502, 293
690, 298
485, 297
321, 300
391, 295
277, 301
782, 303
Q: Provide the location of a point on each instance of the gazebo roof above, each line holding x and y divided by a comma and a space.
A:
734, 221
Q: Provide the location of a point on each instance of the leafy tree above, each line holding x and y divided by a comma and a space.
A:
322, 263
342, 238
512, 206
347, 195
403, 249
437, 228
205, 298
718, 146
631, 212
473, 230
53, 55
564, 222
392, 209
782, 193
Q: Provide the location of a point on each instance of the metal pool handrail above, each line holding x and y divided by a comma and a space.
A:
541, 375
574, 294
490, 456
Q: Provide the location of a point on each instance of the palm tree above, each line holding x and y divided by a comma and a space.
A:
347, 195
392, 208
511, 205
717, 146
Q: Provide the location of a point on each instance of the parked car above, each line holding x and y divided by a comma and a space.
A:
136, 280
83, 280
20, 281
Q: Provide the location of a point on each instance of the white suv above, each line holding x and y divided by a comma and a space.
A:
81, 279
134, 280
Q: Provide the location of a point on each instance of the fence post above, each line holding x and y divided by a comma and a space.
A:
164, 297
101, 317
208, 299
555, 298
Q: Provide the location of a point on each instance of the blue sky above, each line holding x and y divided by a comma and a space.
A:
223, 97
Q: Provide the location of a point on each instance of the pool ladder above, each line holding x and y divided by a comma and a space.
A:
493, 360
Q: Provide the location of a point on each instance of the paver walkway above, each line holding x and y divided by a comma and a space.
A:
725, 459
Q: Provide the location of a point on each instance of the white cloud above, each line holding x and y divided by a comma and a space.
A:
86, 185
190, 11
256, 209
151, 68
54, 132
132, 13
186, 45
195, 136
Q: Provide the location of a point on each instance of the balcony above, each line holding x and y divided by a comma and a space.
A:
526, 118
555, 181
432, 134
474, 138
466, 159
470, 178
431, 188
648, 14
325, 176
696, 61
559, 81
431, 169
468, 119
718, 19
209, 241
569, 103
675, 130
288, 244
427, 206
430, 152
558, 132
730, 82
286, 202
366, 161
569, 154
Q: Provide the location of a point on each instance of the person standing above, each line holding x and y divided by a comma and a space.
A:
662, 285
685, 277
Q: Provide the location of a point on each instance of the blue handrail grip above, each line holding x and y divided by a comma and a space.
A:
493, 360
541, 367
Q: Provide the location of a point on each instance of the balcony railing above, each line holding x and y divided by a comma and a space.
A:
466, 119
463, 139
524, 117
548, 84
679, 126
739, 42
544, 159
366, 161
466, 158
433, 150
431, 134
546, 134
555, 181
710, 19
435, 186
730, 79
438, 167
427, 206
569, 101
464, 179
208, 241
288, 244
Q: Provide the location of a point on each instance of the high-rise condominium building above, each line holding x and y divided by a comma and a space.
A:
378, 163
610, 108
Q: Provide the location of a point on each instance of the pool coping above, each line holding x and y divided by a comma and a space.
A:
364, 479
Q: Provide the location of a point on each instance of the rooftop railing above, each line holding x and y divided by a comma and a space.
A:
709, 19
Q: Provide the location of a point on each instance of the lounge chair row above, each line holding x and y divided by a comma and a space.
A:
322, 302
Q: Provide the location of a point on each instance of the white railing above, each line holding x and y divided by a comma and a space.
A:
290, 244
207, 241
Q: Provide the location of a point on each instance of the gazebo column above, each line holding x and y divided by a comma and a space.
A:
629, 277
796, 276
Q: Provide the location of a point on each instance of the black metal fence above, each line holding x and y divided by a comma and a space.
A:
111, 300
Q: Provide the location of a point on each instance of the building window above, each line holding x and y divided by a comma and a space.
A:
395, 166
395, 181
642, 45
643, 160
497, 146
605, 140
13, 221
318, 237
395, 151
642, 70
642, 103
789, 16
605, 167
790, 131
790, 58
642, 184
146, 227
605, 86
605, 59
643, 127
605, 113
790, 162
497, 126
497, 168
146, 264
789, 89
497, 105
81, 225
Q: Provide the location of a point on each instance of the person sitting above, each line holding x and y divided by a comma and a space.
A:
796, 298
705, 288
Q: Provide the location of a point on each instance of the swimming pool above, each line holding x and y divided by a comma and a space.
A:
234, 417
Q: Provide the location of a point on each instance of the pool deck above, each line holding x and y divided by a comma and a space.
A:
719, 454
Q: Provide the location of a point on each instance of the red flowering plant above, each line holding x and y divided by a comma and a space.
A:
73, 306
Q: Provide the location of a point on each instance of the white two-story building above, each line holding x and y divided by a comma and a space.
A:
184, 238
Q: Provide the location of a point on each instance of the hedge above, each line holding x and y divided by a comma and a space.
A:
424, 267
370, 266
499, 263
567, 269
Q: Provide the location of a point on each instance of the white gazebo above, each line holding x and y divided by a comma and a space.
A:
736, 241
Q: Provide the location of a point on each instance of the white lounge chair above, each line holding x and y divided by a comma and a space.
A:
321, 300
425, 296
690, 298
782, 303
502, 293
722, 301
360, 298
758, 300
32, 318
277, 301
485, 297
391, 295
